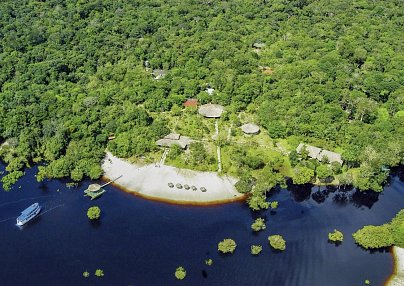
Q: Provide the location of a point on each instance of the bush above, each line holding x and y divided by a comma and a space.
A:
180, 273
209, 262
227, 245
277, 242
385, 235
99, 273
94, 213
245, 184
336, 236
259, 224
256, 249
86, 274
274, 204
371, 236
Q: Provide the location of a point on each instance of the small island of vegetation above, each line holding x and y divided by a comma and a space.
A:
336, 236
259, 224
94, 213
180, 273
227, 245
256, 249
277, 242
385, 235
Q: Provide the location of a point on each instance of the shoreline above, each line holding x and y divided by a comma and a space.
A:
152, 182
397, 277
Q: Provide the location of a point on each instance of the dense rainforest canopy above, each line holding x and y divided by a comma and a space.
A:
72, 73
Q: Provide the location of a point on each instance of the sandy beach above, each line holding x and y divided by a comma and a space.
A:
152, 181
397, 279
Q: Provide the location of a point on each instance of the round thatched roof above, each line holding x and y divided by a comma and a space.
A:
211, 110
250, 128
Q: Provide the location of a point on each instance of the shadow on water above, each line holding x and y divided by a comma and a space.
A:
31, 224
95, 223
364, 198
299, 193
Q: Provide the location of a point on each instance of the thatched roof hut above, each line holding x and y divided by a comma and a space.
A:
331, 156
258, 45
250, 128
319, 154
157, 73
173, 136
313, 151
211, 110
174, 139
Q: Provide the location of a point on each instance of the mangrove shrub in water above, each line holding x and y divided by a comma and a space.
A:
277, 242
227, 245
385, 235
180, 273
99, 273
94, 213
209, 262
259, 224
336, 236
256, 249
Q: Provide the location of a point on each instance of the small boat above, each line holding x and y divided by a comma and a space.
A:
28, 214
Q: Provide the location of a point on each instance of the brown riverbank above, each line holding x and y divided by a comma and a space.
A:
397, 278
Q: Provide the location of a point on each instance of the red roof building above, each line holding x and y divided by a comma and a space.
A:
192, 102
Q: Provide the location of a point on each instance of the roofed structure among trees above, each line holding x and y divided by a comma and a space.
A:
331, 156
320, 154
192, 102
210, 90
313, 151
250, 128
174, 139
258, 45
157, 73
211, 110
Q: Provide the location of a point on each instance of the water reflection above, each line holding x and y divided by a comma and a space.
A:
364, 198
299, 193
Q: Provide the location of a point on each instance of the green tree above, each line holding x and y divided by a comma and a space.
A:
99, 273
277, 242
256, 249
374, 236
259, 224
302, 175
336, 236
94, 213
227, 245
323, 172
180, 273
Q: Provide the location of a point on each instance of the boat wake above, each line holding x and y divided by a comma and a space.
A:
51, 209
26, 199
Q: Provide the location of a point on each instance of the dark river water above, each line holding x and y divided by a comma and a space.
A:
140, 242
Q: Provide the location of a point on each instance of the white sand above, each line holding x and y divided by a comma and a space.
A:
397, 278
152, 182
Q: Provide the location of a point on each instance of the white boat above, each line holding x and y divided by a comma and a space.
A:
28, 214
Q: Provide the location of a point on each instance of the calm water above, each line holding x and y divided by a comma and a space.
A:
140, 242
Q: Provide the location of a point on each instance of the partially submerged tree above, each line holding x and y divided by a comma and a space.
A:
180, 273
227, 245
94, 213
258, 224
256, 249
277, 242
336, 236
